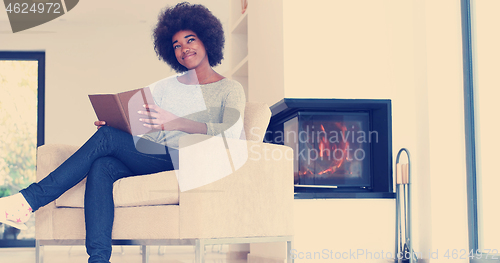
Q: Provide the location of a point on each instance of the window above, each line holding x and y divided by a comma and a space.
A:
21, 130
481, 68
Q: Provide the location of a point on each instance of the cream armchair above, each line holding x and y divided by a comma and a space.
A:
252, 204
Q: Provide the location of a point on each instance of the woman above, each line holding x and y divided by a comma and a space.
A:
189, 39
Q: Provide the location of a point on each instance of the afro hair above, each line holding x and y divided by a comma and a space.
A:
186, 16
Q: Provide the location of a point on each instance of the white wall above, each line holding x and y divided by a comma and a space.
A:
406, 51
446, 127
352, 50
265, 51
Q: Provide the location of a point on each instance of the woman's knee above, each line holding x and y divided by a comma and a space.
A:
102, 169
103, 133
107, 168
111, 140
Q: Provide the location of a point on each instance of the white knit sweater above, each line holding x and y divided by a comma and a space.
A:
220, 105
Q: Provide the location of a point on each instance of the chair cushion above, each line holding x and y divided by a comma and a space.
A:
152, 189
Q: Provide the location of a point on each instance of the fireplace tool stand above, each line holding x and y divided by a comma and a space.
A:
404, 249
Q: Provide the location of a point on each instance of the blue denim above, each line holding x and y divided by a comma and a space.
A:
109, 155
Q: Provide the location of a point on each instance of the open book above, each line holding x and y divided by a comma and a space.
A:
121, 110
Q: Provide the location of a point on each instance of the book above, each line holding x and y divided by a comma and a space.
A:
120, 110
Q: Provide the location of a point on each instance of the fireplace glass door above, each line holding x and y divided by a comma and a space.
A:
332, 149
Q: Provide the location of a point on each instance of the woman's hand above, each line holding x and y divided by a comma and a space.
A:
158, 118
99, 124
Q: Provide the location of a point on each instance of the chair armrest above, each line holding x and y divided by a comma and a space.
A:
50, 156
254, 200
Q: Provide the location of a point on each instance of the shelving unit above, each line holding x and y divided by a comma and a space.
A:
255, 49
239, 45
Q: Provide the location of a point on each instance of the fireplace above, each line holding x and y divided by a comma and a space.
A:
342, 148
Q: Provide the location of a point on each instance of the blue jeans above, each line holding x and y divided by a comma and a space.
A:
109, 155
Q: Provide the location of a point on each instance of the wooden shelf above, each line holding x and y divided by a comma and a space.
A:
241, 70
239, 46
241, 25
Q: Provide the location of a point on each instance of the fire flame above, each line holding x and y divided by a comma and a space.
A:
323, 144
328, 150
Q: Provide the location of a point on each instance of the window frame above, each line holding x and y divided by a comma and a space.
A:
40, 57
470, 134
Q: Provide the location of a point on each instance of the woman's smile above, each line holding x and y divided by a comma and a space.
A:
189, 55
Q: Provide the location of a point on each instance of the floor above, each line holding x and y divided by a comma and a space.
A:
121, 254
